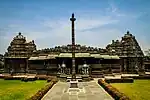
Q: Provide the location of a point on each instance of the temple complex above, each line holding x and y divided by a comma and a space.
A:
124, 56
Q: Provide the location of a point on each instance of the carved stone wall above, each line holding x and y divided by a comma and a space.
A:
20, 48
129, 50
18, 53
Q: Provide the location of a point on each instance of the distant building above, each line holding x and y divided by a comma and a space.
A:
119, 56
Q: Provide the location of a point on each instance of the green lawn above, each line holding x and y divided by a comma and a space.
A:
18, 90
139, 90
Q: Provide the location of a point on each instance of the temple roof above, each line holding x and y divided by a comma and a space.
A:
52, 56
105, 56
19, 36
126, 47
77, 55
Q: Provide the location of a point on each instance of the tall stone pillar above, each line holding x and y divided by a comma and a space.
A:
72, 19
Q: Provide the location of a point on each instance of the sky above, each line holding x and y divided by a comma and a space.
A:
98, 22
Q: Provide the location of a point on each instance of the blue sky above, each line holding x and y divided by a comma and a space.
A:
98, 21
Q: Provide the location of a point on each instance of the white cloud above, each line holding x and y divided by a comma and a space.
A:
59, 32
116, 11
85, 24
143, 42
113, 8
52, 32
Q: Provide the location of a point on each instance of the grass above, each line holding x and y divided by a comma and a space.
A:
139, 90
18, 90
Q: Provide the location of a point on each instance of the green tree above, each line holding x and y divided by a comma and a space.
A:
1, 61
147, 54
1, 64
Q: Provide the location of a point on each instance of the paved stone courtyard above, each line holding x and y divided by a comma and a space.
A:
87, 91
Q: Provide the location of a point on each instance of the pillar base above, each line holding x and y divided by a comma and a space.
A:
73, 84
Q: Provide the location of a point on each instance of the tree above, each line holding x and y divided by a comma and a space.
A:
1, 64
1, 61
147, 52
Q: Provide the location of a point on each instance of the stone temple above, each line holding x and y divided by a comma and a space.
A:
121, 56
124, 56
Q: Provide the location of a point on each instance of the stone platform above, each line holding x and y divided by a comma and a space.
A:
86, 91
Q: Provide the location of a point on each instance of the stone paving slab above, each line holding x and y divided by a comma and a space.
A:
90, 91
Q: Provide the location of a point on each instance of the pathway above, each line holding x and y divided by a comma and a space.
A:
88, 91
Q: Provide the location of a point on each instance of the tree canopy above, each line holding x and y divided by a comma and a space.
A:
147, 52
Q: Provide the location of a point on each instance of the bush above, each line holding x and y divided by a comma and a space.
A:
112, 91
32, 79
8, 78
1, 76
42, 77
44, 90
51, 78
24, 79
122, 80
137, 77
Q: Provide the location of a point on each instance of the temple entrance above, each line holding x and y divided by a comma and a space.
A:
79, 63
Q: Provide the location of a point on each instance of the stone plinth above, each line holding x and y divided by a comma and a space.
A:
78, 78
73, 84
86, 78
64, 76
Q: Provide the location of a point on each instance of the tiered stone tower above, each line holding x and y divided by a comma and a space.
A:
16, 59
129, 50
20, 48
